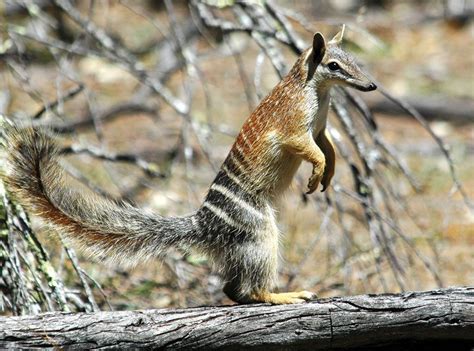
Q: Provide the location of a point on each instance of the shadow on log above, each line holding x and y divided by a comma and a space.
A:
414, 320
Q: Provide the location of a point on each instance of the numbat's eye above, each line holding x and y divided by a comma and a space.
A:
333, 66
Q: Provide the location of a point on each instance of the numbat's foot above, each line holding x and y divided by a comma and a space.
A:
284, 298
313, 183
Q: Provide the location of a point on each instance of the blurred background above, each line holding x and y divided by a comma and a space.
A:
146, 98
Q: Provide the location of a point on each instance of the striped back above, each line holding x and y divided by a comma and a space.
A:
231, 212
236, 207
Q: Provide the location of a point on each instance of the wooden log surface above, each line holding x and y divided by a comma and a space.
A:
413, 320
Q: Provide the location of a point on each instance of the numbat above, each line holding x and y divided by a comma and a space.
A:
235, 226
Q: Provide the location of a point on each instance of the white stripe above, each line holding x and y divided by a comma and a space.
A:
222, 215
241, 152
239, 165
234, 198
232, 176
195, 222
244, 137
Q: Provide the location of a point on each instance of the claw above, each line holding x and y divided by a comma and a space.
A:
313, 183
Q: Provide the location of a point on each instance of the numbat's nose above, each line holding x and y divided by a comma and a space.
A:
371, 87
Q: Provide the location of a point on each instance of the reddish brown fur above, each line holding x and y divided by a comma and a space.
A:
280, 112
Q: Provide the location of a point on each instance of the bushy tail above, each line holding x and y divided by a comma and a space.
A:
106, 228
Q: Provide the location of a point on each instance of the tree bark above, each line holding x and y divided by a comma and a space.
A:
414, 320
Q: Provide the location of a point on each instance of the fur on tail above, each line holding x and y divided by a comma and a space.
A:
103, 227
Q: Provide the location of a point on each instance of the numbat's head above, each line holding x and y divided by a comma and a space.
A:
328, 64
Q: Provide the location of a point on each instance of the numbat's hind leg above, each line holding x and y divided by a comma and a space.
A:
283, 298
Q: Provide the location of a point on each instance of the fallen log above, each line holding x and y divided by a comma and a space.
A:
455, 110
413, 320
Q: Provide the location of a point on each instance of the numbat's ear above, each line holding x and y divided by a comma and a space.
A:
316, 55
338, 37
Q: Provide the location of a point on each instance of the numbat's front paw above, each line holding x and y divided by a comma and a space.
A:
313, 182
